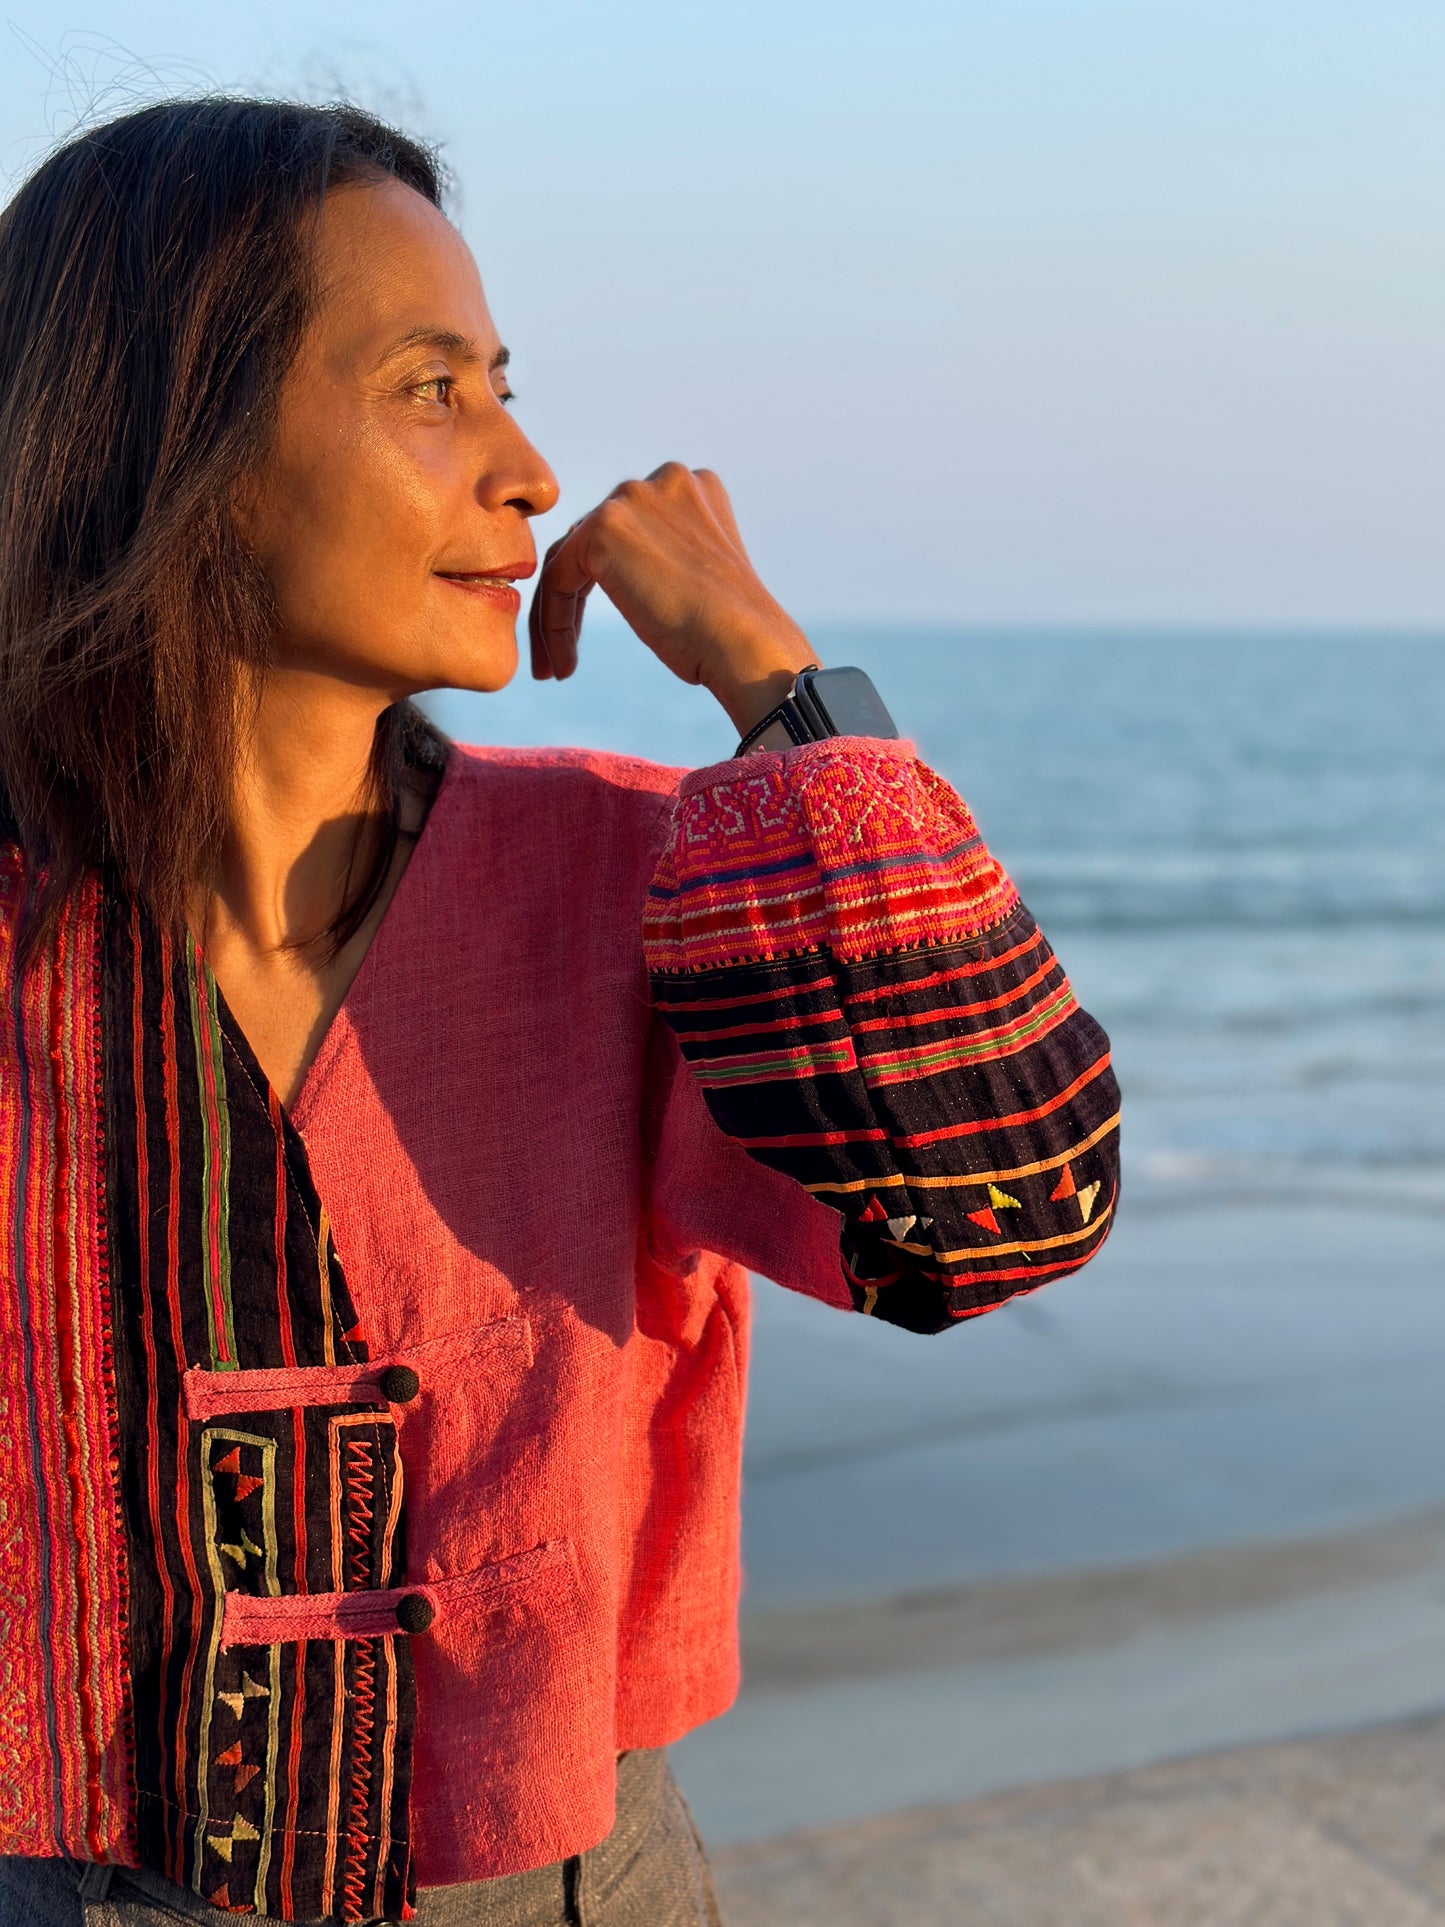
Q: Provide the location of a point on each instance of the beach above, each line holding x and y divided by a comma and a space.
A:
1193, 1498
1341, 1831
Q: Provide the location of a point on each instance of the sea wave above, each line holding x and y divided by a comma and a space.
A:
1262, 888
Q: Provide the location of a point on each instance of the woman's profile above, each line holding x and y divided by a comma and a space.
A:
387, 1127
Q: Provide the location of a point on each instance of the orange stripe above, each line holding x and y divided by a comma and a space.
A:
976, 1125
63, 1285
954, 1179
1016, 1247
293, 1763
1007, 1040
810, 1140
952, 1011
211, 1099
148, 1332
979, 969
760, 1029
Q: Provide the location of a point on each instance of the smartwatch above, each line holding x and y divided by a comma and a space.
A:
823, 702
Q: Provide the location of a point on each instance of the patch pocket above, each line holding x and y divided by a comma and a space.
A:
505, 1636
517, 1667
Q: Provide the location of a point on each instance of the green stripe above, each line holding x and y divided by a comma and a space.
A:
215, 1161
840, 1057
925, 1058
942, 1056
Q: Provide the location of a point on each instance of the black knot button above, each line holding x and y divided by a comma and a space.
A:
399, 1384
414, 1612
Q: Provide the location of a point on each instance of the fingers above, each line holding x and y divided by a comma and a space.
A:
702, 484
650, 544
541, 661
673, 478
554, 622
718, 500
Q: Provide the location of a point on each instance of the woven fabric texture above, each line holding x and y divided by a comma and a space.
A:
525, 1183
64, 1715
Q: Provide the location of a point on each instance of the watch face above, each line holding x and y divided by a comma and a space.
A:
849, 704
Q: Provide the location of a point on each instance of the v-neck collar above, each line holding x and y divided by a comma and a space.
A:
337, 1031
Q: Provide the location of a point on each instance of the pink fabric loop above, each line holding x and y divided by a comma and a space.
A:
223, 1394
248, 1621
211, 1395
546, 1573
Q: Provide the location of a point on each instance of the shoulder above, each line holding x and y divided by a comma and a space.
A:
549, 792
578, 814
591, 771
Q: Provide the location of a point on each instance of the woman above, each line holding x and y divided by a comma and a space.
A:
347, 1153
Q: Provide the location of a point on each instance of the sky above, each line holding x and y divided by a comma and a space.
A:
1036, 311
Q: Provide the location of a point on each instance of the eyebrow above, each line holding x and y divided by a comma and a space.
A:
464, 347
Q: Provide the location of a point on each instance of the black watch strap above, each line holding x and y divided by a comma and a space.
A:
822, 703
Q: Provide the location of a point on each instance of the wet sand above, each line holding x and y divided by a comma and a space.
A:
855, 1711
1343, 1831
1217, 1376
1089, 1611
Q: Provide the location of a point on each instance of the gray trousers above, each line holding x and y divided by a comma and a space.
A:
650, 1871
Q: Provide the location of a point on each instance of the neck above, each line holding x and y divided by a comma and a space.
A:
299, 830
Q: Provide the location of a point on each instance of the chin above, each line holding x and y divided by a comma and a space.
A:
483, 669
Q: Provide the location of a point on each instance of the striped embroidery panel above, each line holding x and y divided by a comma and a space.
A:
270, 1779
64, 1720
920, 1063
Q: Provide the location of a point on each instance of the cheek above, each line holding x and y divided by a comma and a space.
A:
367, 492
353, 530
397, 498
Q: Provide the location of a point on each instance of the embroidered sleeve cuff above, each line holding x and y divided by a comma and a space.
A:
851, 844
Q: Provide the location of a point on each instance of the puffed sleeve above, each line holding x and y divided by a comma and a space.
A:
868, 1011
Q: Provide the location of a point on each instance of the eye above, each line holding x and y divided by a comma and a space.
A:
436, 388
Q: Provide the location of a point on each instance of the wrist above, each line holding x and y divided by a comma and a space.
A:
750, 685
822, 703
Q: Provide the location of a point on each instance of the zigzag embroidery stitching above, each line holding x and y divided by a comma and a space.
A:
357, 1463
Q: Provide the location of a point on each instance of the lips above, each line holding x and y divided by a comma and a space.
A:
507, 572
490, 585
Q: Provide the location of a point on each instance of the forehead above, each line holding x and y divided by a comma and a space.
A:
389, 265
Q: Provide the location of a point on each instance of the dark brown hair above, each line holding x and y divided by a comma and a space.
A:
155, 278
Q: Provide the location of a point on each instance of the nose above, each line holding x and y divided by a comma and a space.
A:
514, 475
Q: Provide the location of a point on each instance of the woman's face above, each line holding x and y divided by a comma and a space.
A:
392, 515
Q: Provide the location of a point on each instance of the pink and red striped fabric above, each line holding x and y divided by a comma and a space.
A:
65, 1757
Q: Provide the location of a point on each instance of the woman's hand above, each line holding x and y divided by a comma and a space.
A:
668, 554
